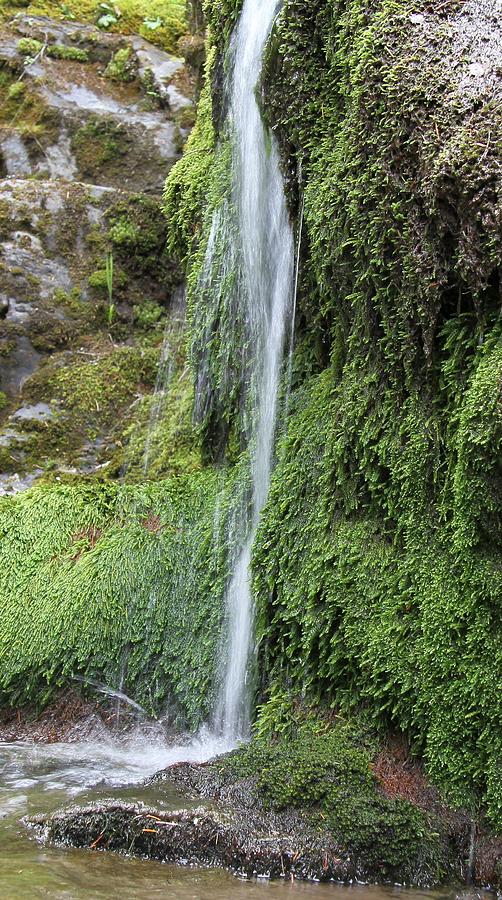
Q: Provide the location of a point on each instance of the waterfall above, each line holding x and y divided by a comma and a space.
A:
263, 243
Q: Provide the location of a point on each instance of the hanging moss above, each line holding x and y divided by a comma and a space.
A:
117, 583
378, 560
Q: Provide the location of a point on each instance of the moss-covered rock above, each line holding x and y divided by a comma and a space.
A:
325, 771
377, 563
111, 582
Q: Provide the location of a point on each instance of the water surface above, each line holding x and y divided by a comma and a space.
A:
38, 778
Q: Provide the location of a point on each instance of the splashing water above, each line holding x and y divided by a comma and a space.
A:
266, 251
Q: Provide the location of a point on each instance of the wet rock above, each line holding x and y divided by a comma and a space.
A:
15, 155
20, 360
99, 45
38, 412
202, 836
164, 70
13, 484
87, 126
54, 239
477, 43
11, 438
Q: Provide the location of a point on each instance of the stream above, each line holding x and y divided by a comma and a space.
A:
38, 778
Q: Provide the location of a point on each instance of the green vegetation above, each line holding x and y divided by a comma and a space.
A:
126, 17
110, 580
122, 66
22, 109
323, 768
109, 286
75, 54
100, 143
31, 48
95, 387
137, 231
377, 571
377, 563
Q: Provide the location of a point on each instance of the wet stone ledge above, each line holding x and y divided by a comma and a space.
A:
200, 837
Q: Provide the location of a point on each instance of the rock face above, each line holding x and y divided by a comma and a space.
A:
110, 109
90, 125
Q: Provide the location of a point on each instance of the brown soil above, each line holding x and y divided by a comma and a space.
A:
69, 718
403, 778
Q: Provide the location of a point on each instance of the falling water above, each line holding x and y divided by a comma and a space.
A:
164, 377
266, 251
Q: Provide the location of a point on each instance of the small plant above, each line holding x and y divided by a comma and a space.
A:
122, 66
66, 12
109, 286
107, 15
152, 24
30, 49
16, 91
3, 400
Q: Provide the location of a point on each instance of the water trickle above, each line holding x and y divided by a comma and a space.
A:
263, 244
164, 376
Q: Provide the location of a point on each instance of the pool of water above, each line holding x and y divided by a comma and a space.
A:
40, 778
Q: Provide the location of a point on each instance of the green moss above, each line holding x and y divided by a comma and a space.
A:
122, 66
131, 19
29, 47
377, 563
23, 109
75, 54
162, 440
189, 181
324, 770
137, 231
150, 88
16, 91
99, 280
148, 315
108, 582
98, 144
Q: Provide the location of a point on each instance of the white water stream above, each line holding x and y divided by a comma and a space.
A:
266, 249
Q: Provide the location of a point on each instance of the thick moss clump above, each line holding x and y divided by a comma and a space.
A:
122, 584
324, 770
